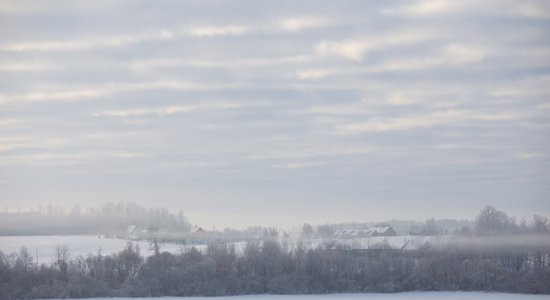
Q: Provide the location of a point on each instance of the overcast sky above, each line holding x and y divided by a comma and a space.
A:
277, 112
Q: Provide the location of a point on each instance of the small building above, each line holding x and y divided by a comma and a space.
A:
199, 230
130, 229
382, 231
414, 244
371, 231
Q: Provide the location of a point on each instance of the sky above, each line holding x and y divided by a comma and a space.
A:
277, 112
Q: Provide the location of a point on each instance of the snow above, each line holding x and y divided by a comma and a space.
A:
373, 296
77, 244
85, 244
371, 231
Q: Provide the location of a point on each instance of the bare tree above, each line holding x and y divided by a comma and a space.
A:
491, 221
62, 257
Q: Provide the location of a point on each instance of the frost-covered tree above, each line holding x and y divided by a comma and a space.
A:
491, 221
62, 257
307, 231
540, 224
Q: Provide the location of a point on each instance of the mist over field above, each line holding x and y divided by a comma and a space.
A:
248, 148
164, 254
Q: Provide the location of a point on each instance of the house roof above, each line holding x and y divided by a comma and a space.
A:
131, 229
199, 230
368, 231
414, 244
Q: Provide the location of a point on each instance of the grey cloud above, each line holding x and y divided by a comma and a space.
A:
253, 104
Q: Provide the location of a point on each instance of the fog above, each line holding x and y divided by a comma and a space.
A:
497, 243
236, 147
162, 254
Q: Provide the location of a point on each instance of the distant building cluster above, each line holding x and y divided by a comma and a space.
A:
371, 231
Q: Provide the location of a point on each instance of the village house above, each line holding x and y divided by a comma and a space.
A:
371, 231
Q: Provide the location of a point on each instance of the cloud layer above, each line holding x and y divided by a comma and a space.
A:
318, 111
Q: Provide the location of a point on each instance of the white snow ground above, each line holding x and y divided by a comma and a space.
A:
396, 296
85, 244
77, 244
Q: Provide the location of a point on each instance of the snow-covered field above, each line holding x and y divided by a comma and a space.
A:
396, 296
85, 244
77, 244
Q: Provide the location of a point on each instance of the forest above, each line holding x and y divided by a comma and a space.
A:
108, 218
494, 257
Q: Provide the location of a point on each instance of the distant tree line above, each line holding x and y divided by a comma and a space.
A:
109, 218
277, 268
490, 221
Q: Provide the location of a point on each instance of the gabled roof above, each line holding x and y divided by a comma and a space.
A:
199, 230
131, 229
369, 231
414, 244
